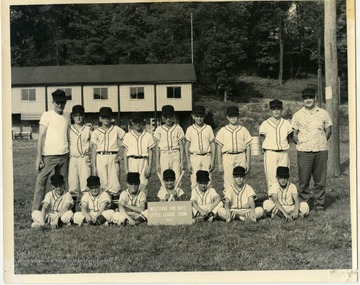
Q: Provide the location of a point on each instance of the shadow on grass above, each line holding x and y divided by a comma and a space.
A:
344, 167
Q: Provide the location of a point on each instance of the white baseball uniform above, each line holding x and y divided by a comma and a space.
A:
94, 205
200, 149
79, 163
107, 144
138, 148
275, 147
240, 202
178, 192
234, 143
56, 204
285, 198
169, 143
204, 199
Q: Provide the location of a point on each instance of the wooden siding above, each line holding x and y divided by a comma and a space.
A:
93, 105
180, 104
130, 105
28, 107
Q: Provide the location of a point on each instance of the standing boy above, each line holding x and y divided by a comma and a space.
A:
312, 128
138, 153
199, 144
233, 147
275, 134
53, 147
169, 138
106, 141
283, 198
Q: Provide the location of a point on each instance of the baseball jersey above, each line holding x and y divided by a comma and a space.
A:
169, 138
138, 145
285, 196
233, 140
95, 203
56, 139
275, 134
58, 202
107, 140
126, 198
79, 140
311, 127
199, 138
239, 198
162, 192
203, 198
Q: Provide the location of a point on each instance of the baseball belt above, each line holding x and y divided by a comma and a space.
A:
107, 152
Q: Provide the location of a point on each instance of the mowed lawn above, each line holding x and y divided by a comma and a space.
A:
320, 241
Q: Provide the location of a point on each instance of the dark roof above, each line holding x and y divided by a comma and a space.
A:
102, 74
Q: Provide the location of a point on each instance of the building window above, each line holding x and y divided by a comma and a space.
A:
174, 92
101, 93
68, 93
137, 93
28, 94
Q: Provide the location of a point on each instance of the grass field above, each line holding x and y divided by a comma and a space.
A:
321, 241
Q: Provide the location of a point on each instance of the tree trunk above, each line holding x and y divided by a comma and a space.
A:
281, 61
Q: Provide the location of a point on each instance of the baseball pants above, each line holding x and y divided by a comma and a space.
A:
206, 208
170, 160
199, 162
119, 217
270, 207
230, 161
79, 217
241, 214
66, 218
139, 165
58, 163
108, 171
79, 171
272, 160
312, 164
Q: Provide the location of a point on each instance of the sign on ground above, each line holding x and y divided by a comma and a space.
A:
170, 213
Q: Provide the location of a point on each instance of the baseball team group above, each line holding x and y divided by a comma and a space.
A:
83, 165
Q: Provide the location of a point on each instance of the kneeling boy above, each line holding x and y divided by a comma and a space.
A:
167, 191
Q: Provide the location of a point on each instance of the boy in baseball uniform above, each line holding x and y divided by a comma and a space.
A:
284, 199
167, 191
233, 146
138, 153
240, 200
199, 144
131, 203
205, 201
94, 205
275, 134
106, 142
56, 207
169, 138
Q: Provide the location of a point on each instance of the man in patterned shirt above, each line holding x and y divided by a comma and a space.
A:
312, 128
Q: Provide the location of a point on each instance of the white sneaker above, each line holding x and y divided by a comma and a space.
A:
35, 225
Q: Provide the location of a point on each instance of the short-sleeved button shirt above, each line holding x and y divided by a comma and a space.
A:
107, 140
233, 140
239, 198
311, 127
203, 198
169, 138
126, 198
199, 138
58, 202
79, 140
285, 196
162, 192
275, 134
138, 145
95, 203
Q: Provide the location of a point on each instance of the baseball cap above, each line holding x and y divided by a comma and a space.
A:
282, 171
168, 174
57, 179
308, 91
198, 110
59, 96
133, 177
232, 111
167, 110
136, 116
239, 171
275, 104
105, 112
202, 175
78, 109
93, 181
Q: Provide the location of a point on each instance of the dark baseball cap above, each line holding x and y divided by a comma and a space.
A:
169, 174
93, 181
198, 110
282, 171
232, 111
275, 104
239, 171
59, 96
133, 177
57, 180
105, 112
137, 116
308, 91
78, 109
167, 110
202, 175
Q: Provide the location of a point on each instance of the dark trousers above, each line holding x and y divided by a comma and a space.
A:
312, 164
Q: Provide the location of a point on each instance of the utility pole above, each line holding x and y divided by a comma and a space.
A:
192, 40
331, 79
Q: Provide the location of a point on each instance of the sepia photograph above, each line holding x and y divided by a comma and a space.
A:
179, 141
